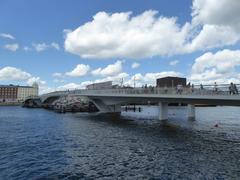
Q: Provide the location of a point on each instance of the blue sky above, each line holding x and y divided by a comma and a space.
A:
45, 41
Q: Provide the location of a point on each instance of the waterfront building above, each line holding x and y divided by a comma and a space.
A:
25, 91
15, 93
8, 93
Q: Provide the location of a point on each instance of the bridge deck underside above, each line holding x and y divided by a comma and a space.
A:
207, 100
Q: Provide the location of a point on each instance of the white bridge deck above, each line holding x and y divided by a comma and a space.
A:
110, 100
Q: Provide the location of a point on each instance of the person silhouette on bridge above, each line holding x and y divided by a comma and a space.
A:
231, 88
215, 87
235, 89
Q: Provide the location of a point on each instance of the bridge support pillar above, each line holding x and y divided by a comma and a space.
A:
116, 108
191, 112
163, 111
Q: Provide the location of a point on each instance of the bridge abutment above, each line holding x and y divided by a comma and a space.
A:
163, 111
103, 108
191, 112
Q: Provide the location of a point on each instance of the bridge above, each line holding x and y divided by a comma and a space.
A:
110, 100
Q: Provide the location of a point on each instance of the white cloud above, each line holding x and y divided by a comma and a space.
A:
121, 35
135, 65
58, 77
214, 24
217, 23
173, 63
217, 12
72, 86
57, 74
116, 78
40, 82
66, 31
55, 45
7, 36
26, 48
111, 69
45, 89
12, 73
212, 36
219, 67
12, 47
58, 80
79, 70
16, 75
39, 47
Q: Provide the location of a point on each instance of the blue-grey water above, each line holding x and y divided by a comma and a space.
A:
41, 144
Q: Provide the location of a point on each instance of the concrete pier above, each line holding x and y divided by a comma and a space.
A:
191, 112
163, 111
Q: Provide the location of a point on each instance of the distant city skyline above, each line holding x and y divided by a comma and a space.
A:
67, 45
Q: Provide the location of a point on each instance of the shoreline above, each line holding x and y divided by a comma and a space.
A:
10, 104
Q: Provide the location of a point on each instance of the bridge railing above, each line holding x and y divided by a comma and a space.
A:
196, 90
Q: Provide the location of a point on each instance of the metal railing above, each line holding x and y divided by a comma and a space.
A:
197, 90
213, 90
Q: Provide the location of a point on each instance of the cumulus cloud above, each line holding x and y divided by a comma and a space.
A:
220, 67
135, 65
79, 70
118, 35
7, 36
12, 47
13, 74
218, 23
212, 36
111, 69
173, 63
121, 35
39, 47
215, 12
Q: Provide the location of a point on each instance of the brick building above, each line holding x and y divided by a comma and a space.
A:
13, 93
8, 93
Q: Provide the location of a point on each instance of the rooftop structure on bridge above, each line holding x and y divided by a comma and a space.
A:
171, 81
101, 85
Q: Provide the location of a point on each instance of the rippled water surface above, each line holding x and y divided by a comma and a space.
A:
36, 144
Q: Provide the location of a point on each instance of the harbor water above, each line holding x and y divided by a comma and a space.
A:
41, 144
